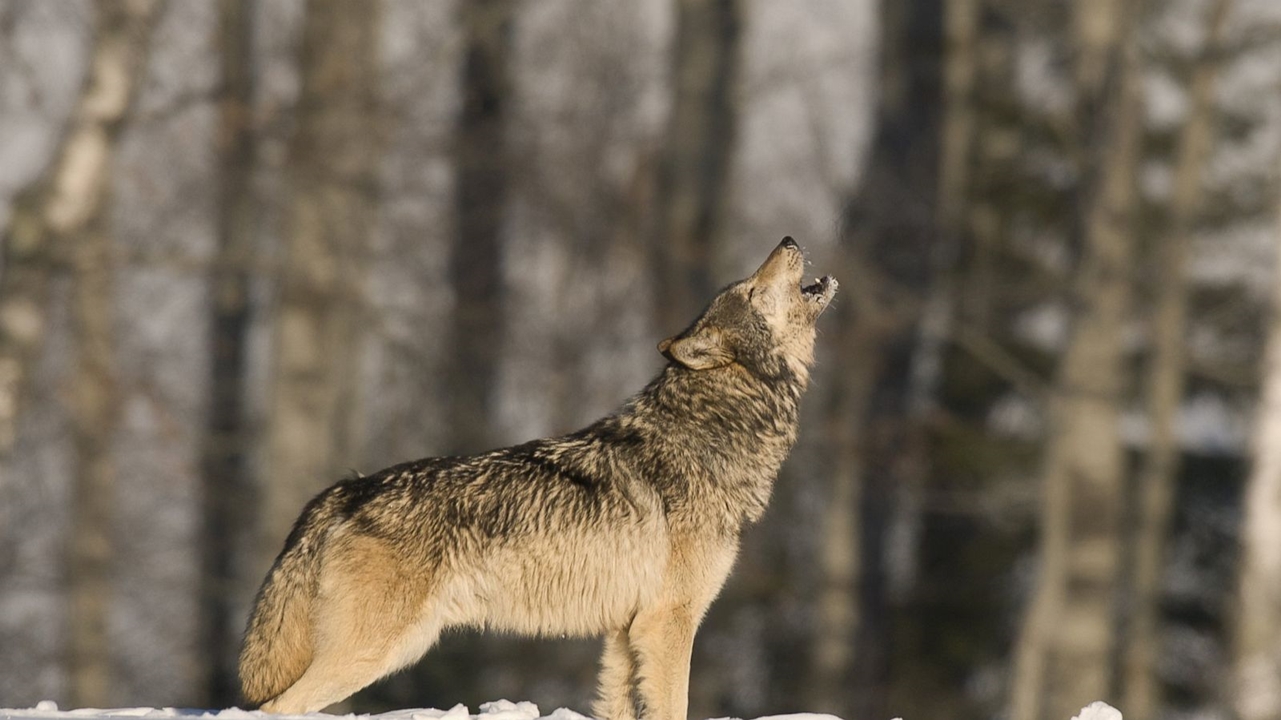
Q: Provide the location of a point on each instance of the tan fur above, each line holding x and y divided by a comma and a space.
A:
627, 528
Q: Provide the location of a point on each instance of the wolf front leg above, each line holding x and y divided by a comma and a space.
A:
616, 696
663, 640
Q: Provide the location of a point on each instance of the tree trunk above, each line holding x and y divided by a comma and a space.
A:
839, 616
481, 189
333, 168
993, 149
63, 202
960, 67
888, 261
1166, 384
1257, 689
66, 215
1064, 657
227, 490
95, 401
693, 171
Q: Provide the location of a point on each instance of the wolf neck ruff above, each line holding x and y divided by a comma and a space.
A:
627, 528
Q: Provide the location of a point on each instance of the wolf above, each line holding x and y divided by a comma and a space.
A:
626, 528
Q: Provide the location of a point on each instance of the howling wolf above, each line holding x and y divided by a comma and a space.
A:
626, 528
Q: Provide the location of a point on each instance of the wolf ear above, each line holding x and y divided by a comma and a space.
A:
698, 351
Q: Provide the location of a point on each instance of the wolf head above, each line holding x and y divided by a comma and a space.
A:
764, 323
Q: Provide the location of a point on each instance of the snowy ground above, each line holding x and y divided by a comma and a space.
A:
499, 710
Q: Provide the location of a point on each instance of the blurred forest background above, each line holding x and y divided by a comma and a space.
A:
249, 247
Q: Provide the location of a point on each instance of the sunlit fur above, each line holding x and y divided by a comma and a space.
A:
626, 528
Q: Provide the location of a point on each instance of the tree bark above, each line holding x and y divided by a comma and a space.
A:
693, 187
888, 260
95, 418
333, 169
839, 618
995, 144
960, 67
481, 188
1256, 692
66, 215
63, 202
1064, 657
224, 469
1166, 384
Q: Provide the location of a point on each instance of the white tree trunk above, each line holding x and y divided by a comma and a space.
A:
75, 222
1257, 693
63, 201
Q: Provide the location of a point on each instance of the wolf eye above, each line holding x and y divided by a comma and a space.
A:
751, 293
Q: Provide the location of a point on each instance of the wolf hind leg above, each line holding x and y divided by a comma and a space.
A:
616, 696
371, 618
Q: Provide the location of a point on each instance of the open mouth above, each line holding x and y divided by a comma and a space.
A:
821, 291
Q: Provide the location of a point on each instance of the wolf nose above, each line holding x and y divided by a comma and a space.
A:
788, 242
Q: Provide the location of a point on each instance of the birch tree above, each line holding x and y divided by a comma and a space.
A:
1166, 380
1064, 654
65, 199
1256, 692
70, 218
332, 176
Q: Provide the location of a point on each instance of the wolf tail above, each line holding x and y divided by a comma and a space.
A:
277, 646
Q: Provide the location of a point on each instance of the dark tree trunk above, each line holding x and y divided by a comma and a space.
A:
888, 260
481, 188
228, 493
693, 184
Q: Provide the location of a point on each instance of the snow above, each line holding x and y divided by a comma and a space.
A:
497, 710
1098, 711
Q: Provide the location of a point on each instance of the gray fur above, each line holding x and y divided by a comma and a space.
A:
627, 527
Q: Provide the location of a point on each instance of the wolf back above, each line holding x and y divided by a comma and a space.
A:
626, 528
